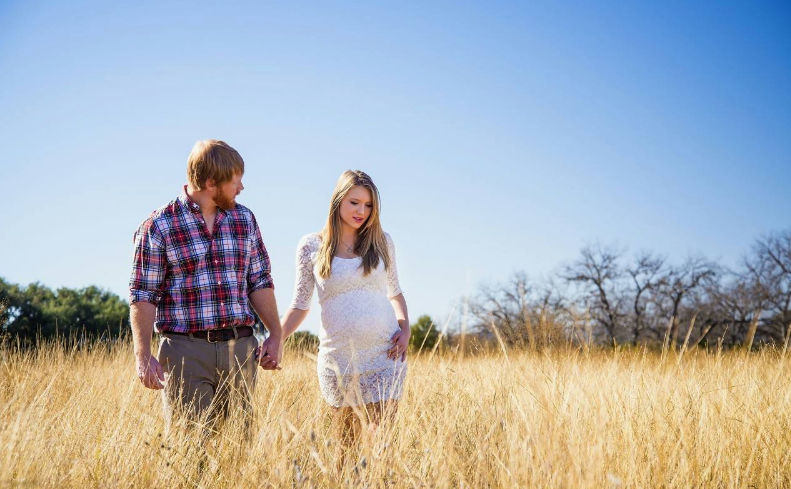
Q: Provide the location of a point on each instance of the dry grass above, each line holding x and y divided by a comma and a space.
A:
562, 418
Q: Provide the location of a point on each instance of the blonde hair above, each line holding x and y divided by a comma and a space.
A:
211, 159
371, 244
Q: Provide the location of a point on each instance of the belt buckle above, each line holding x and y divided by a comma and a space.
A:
208, 336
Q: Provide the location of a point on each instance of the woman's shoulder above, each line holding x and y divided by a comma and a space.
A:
310, 240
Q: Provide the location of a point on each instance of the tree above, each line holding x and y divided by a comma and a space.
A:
503, 309
648, 274
680, 283
517, 313
732, 305
27, 311
599, 275
37, 310
769, 270
423, 334
303, 340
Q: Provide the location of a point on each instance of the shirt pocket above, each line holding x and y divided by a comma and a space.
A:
184, 266
237, 250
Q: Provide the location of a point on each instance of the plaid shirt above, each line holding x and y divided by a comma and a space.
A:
198, 281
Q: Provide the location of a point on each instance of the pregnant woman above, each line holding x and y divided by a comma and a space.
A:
364, 330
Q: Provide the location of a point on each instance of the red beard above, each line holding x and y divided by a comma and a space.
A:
224, 201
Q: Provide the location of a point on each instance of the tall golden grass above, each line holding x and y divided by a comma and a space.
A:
568, 417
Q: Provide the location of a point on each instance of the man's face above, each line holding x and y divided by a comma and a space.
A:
227, 192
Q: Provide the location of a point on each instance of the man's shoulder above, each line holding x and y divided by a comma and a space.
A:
242, 212
166, 212
160, 218
242, 216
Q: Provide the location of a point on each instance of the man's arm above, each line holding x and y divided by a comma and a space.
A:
271, 351
149, 268
149, 371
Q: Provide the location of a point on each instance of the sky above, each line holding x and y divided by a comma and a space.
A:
503, 136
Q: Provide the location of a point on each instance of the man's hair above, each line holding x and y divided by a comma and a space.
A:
211, 159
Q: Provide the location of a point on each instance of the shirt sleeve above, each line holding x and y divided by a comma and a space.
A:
259, 276
303, 288
393, 287
149, 265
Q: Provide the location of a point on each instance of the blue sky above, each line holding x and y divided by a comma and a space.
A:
502, 136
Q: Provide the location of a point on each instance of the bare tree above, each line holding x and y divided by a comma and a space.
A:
648, 274
598, 274
769, 270
681, 281
729, 306
517, 312
553, 299
503, 307
634, 303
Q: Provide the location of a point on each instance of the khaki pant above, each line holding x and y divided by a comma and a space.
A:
204, 380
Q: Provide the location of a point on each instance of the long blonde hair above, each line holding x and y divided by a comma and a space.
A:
371, 244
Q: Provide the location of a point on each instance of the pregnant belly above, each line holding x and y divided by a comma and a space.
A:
359, 321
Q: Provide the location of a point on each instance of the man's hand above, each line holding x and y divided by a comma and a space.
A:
150, 372
270, 353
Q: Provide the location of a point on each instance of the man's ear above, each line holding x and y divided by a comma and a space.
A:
210, 185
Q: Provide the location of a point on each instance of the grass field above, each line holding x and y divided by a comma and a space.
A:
557, 418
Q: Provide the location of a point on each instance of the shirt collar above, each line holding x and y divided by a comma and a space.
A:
190, 204
187, 201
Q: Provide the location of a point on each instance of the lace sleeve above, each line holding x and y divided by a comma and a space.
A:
303, 288
393, 287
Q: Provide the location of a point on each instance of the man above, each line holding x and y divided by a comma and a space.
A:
199, 263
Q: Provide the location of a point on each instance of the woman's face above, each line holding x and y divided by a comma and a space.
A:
356, 207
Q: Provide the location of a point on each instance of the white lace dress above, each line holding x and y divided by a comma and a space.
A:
357, 322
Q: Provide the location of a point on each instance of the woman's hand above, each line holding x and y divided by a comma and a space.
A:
270, 353
400, 342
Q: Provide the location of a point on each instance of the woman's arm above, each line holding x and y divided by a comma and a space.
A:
303, 288
291, 321
401, 338
399, 306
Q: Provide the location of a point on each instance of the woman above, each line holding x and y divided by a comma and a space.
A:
364, 331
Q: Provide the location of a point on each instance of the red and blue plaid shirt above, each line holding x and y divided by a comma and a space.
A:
198, 281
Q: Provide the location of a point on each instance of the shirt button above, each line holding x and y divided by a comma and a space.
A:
216, 261
222, 303
219, 282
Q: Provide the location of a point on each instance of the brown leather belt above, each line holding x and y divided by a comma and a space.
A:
215, 335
